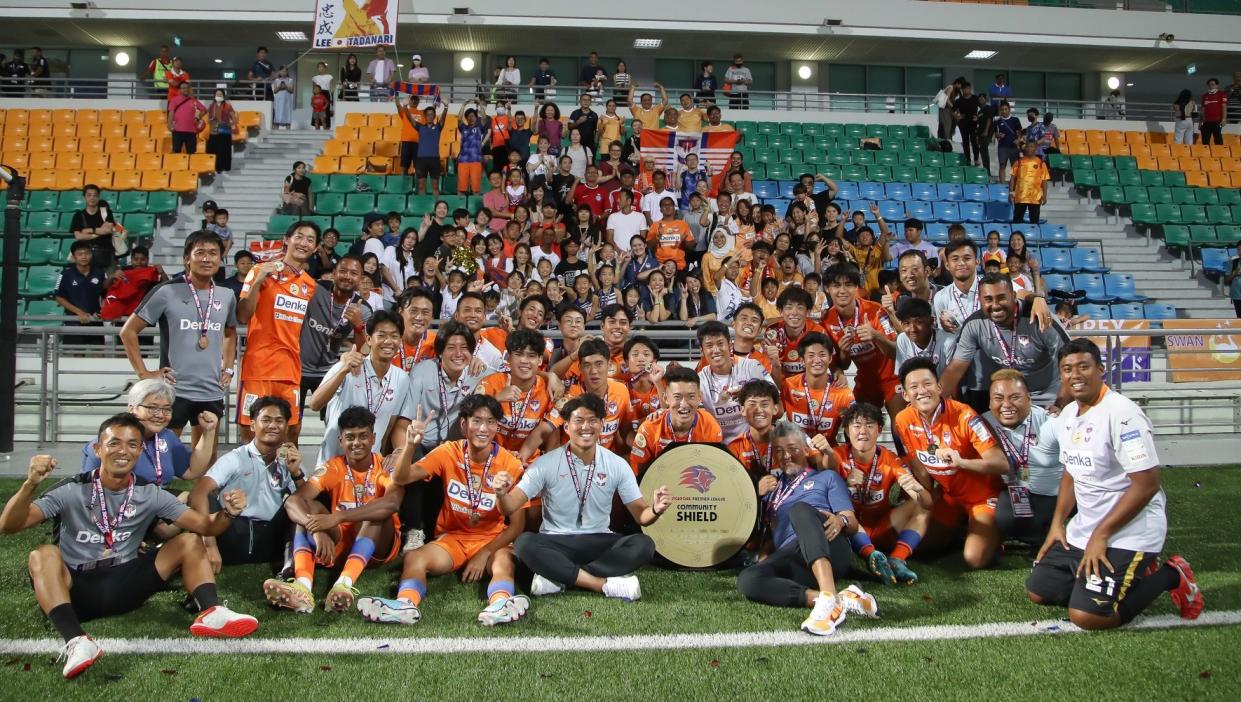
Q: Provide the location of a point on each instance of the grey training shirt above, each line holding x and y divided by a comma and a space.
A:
171, 306
81, 542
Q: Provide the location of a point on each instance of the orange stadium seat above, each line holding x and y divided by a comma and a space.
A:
250, 119
143, 146
133, 117
116, 145
1199, 151
139, 131
17, 115
1139, 148
15, 143
1160, 151
1179, 150
91, 146
40, 160
107, 117
1236, 179
352, 164
332, 147
1135, 138
1221, 151
65, 116
40, 116
16, 159
41, 180
64, 129
355, 119
370, 134
392, 134
1219, 179
1189, 164
156, 118
1113, 136
1231, 164
112, 131
346, 133
183, 181
150, 162
15, 129
176, 162
69, 161
1120, 149
69, 180
96, 162
85, 116
378, 164
88, 131
1159, 137
201, 163
102, 178
40, 144
390, 149
361, 148
122, 162
1167, 163
1196, 179
327, 164
379, 120
127, 179
1210, 164
154, 180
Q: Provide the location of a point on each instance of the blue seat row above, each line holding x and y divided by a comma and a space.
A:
1099, 288
901, 192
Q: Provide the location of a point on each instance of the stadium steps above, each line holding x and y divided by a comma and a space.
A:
1156, 273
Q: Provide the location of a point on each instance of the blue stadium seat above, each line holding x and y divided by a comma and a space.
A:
975, 231
898, 191
946, 211
1055, 261
1004, 229
780, 205
847, 191
786, 189
1056, 235
921, 210
1088, 260
1092, 285
972, 211
1127, 310
766, 189
1215, 262
1057, 281
1121, 287
893, 211
871, 191
999, 210
998, 192
1095, 311
927, 192
950, 191
976, 193
1159, 310
820, 186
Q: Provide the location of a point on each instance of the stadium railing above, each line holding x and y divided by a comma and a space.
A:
1195, 408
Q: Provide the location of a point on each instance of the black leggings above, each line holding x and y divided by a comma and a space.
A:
783, 577
1031, 530
420, 508
1212, 133
969, 142
1019, 211
558, 557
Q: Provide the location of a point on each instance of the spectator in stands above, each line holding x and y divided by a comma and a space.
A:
580, 155
40, 73
1028, 187
157, 70
592, 68
550, 127
127, 285
325, 258
221, 125
324, 80
507, 81
737, 80
282, 87
17, 70
379, 73
418, 73
993, 252
260, 73
1034, 130
1233, 280
319, 108
176, 75
586, 121
243, 261
965, 114
706, 85
543, 81
946, 100
350, 78
646, 111
913, 240
695, 304
1114, 105
186, 116
475, 127
95, 224
1000, 91
714, 123
1214, 106
1007, 135
427, 160
296, 196
220, 228
80, 291
984, 126
689, 117
651, 201
1183, 110
1050, 141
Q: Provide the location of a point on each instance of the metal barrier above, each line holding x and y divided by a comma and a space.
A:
793, 101
1196, 408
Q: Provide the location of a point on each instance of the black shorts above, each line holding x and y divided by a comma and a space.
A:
409, 149
427, 166
1055, 580
254, 541
186, 411
113, 590
310, 383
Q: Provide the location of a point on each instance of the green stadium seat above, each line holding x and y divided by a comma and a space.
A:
42, 308
790, 155
320, 221
1219, 214
40, 250
1169, 214
132, 201
1106, 177
42, 221
348, 223
43, 201
1113, 195
953, 174
329, 203
318, 182
921, 145
1085, 178
1174, 179
778, 141
1205, 196
1081, 162
954, 158
1102, 163
1146, 214
920, 131
64, 223
1159, 195
165, 202
280, 224
1193, 214
139, 224
376, 182
1125, 163
898, 131
1228, 196
456, 202
856, 173
1176, 235
862, 157
341, 183
1202, 235
910, 158
421, 204
768, 128
887, 158
1151, 177
833, 172
975, 175
814, 155
905, 174
1058, 162
877, 130
933, 158
745, 127
879, 174
790, 128
1229, 234
812, 129
855, 131
779, 171
398, 184
71, 201
390, 203
1129, 178
754, 140
359, 204
927, 174
1134, 193
40, 281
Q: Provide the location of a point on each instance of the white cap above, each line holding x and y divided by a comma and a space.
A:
416, 57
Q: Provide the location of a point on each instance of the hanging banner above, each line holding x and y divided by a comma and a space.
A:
1130, 358
669, 148
1198, 357
354, 24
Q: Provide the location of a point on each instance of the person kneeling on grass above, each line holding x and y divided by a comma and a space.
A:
96, 569
359, 524
811, 520
1103, 565
473, 537
577, 483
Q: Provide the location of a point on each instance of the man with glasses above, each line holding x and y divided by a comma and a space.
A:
337, 314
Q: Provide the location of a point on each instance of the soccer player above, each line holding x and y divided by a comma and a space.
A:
358, 525
643, 377
811, 400
531, 315
617, 432
786, 333
335, 321
947, 445
577, 483
670, 236
1027, 433
273, 305
864, 336
955, 303
872, 472
811, 519
683, 421
268, 470
1000, 337
1103, 564
472, 535
95, 569
373, 381
522, 392
197, 334
417, 309
760, 405
723, 377
747, 326
921, 338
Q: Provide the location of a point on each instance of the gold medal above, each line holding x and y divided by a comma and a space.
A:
202, 343
359, 492
474, 518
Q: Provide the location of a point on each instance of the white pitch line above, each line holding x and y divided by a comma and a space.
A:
377, 643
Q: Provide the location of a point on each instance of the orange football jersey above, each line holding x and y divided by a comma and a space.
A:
815, 411
619, 412
410, 354
655, 434
274, 334
522, 415
870, 499
954, 426
469, 493
349, 489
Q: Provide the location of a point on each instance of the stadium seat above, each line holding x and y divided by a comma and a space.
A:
280, 223
1053, 260
40, 250
71, 201
1176, 236
162, 202
1158, 311
1120, 286
131, 202
1202, 235
1094, 311
42, 308
1127, 310
1057, 281
946, 211
1087, 260
898, 191
972, 211
920, 210
1092, 285
868, 190
951, 192
43, 201
926, 192
40, 281
42, 221
329, 204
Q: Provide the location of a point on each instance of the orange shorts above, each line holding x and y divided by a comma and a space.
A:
879, 528
250, 390
348, 532
874, 391
461, 547
952, 513
469, 178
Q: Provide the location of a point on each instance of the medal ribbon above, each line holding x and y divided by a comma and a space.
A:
476, 498
956, 299
1010, 350
784, 493
106, 524
383, 390
203, 313
688, 434
870, 472
156, 460
368, 485
814, 418
581, 490
930, 437
1021, 460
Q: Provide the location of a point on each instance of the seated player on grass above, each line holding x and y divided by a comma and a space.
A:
473, 538
95, 569
1103, 564
951, 451
577, 483
871, 472
358, 526
810, 518
760, 406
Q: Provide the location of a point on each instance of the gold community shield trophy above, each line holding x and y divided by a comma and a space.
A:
714, 505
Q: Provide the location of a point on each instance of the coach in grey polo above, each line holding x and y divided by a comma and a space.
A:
79, 538
548, 478
428, 388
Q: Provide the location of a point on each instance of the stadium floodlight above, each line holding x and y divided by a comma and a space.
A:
804, 72
218, 60
467, 64
121, 58
647, 43
1113, 83
292, 36
980, 54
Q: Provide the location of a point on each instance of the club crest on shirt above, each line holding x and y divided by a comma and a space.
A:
601, 479
161, 445
1082, 435
130, 511
217, 305
808, 486
793, 355
612, 407
639, 440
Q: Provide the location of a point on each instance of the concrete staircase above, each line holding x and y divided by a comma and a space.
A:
1156, 273
250, 192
